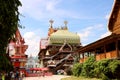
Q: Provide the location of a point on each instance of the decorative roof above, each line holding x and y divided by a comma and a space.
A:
62, 36
99, 43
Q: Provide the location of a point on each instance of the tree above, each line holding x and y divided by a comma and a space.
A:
9, 21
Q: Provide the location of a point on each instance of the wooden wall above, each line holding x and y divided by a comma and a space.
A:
116, 27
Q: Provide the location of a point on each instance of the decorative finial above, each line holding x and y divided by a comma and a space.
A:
65, 22
51, 22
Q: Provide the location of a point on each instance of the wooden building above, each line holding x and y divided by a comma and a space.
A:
17, 50
108, 47
57, 50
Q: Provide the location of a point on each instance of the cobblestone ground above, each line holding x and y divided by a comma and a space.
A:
53, 77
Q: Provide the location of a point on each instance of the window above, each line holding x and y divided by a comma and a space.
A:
110, 47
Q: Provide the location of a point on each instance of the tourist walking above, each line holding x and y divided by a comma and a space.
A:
21, 75
12, 76
17, 75
3, 75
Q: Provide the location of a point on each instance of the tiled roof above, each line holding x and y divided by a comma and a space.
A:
62, 36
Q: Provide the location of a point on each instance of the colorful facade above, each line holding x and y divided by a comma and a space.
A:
17, 50
108, 47
57, 50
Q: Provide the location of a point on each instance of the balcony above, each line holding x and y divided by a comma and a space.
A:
111, 54
107, 55
100, 56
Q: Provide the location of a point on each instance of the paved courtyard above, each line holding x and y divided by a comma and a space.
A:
53, 77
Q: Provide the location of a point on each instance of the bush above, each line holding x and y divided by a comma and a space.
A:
88, 67
76, 70
101, 69
114, 67
105, 69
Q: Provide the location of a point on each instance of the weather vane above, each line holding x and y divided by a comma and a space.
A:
65, 22
51, 22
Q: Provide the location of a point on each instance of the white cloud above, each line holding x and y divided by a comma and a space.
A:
89, 32
85, 33
29, 35
32, 40
105, 34
39, 9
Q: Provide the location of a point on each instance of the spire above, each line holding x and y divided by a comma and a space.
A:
65, 22
51, 22
47, 53
51, 30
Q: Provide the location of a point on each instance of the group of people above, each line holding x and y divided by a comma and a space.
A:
17, 75
13, 75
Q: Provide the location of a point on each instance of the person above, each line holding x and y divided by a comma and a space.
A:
12, 75
17, 75
43, 73
21, 75
3, 76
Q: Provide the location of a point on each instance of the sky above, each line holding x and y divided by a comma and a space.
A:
87, 18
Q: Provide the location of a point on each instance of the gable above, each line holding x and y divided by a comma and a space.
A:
66, 47
17, 34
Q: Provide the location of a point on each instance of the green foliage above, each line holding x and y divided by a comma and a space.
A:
6, 65
9, 17
104, 77
78, 78
105, 69
77, 68
88, 67
114, 67
101, 68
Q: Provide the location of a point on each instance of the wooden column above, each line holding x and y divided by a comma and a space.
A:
83, 55
94, 52
78, 54
105, 50
116, 46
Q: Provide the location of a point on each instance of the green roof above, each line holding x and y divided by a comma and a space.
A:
61, 36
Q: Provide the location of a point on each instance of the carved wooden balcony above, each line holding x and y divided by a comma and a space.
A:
111, 54
100, 56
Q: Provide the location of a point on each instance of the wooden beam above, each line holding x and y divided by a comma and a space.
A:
116, 45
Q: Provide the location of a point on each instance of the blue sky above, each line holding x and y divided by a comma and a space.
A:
88, 18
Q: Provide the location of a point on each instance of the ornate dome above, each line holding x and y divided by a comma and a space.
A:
61, 36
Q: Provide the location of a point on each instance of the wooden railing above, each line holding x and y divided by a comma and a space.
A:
59, 61
100, 56
83, 59
108, 55
111, 54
